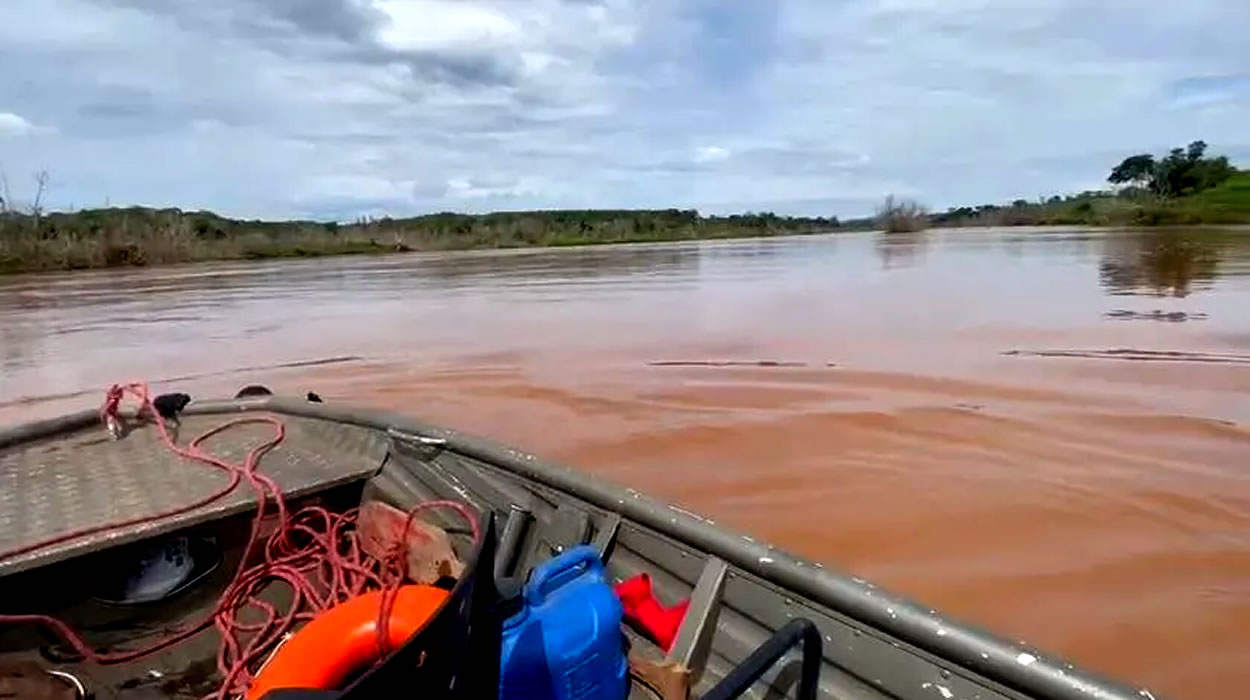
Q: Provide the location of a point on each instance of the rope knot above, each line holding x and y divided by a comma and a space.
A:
109, 410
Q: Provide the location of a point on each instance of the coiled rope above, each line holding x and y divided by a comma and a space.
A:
313, 551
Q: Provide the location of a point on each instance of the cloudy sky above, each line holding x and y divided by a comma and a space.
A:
337, 108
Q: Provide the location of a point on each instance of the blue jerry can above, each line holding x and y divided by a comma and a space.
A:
564, 640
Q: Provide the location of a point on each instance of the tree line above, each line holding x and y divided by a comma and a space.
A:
1183, 171
1183, 186
34, 240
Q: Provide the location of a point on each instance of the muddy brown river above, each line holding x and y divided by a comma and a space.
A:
1046, 432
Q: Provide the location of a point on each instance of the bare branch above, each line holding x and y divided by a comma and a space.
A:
6, 197
41, 186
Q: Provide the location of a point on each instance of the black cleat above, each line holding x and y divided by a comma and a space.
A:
170, 405
312, 396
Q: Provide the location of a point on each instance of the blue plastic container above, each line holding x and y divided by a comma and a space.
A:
565, 641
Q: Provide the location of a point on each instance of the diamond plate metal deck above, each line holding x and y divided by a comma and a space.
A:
82, 479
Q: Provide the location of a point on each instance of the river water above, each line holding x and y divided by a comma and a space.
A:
1046, 432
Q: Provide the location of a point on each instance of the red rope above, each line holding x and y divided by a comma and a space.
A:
396, 565
326, 568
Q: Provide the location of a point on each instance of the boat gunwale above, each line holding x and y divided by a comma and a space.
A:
1014, 665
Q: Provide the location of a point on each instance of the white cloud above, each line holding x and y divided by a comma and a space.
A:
279, 108
431, 24
355, 187
14, 125
494, 188
710, 154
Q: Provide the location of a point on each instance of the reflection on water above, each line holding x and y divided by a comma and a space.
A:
572, 264
901, 249
1068, 407
1156, 315
1166, 263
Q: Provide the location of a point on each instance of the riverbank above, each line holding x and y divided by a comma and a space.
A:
138, 236
1224, 204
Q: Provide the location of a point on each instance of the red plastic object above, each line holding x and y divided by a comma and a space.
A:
645, 612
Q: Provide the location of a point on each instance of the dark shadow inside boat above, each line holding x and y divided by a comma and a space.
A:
70, 591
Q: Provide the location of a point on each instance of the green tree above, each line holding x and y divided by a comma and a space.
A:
1137, 170
1196, 150
1181, 172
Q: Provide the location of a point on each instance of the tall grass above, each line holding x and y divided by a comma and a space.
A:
154, 238
897, 215
141, 236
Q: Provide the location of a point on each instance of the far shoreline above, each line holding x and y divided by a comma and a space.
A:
40, 241
382, 251
1184, 188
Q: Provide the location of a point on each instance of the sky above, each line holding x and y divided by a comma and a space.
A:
335, 109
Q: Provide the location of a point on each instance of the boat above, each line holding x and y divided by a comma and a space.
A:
759, 622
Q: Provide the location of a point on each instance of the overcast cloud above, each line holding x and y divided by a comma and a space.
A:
337, 108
